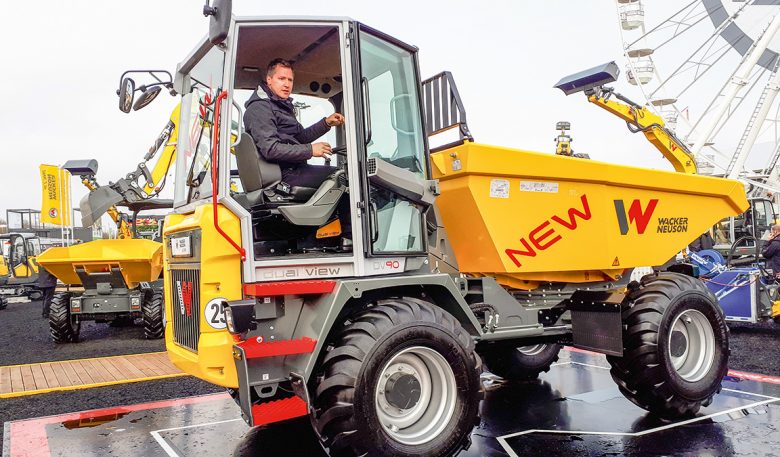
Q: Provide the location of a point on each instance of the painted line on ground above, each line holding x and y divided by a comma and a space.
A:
28, 437
511, 452
170, 448
767, 379
502, 439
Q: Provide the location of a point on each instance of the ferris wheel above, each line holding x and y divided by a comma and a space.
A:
710, 69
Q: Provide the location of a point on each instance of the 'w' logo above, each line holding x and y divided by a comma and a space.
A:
635, 215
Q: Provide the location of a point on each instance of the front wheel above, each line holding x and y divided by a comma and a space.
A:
153, 315
61, 326
401, 379
676, 346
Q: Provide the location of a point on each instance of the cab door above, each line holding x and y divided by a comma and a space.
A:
389, 90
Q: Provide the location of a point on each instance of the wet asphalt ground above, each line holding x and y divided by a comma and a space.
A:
24, 338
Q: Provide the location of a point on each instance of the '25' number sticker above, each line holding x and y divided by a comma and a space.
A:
215, 313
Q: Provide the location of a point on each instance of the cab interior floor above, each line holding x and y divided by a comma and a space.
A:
574, 409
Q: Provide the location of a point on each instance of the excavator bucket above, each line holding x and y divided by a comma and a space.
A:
527, 217
139, 260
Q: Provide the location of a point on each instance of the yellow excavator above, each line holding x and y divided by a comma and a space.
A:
120, 277
638, 118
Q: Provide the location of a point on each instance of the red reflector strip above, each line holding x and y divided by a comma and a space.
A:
254, 350
278, 410
289, 288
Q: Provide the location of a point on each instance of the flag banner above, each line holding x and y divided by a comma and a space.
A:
55, 196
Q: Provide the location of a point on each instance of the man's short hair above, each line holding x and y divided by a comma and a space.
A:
776, 228
277, 62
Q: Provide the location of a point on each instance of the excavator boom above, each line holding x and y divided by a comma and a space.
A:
638, 118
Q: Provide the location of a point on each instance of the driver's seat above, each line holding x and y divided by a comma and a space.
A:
265, 191
262, 180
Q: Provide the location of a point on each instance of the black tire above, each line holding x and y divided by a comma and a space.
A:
646, 374
522, 363
152, 309
3, 303
346, 409
61, 329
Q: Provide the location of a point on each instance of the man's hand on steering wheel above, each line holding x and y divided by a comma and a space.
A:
335, 120
321, 150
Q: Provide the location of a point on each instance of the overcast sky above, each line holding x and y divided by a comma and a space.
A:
62, 61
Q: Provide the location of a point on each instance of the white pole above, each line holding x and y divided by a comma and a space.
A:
738, 81
773, 86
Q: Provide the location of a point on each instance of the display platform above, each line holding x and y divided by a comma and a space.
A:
575, 409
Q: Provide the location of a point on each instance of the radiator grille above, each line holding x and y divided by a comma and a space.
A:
185, 297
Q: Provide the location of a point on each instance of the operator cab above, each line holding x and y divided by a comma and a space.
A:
19, 251
738, 236
381, 187
291, 219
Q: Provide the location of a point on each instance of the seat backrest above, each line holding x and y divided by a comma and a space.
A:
254, 172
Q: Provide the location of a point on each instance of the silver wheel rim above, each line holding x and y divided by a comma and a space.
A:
691, 345
429, 408
532, 350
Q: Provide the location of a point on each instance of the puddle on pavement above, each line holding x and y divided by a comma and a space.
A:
92, 421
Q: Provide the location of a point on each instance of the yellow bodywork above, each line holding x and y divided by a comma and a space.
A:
220, 277
139, 260
26, 270
527, 217
776, 309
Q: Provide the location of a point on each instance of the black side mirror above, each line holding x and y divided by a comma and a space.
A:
219, 23
147, 97
126, 93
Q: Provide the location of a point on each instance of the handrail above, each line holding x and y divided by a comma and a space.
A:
214, 179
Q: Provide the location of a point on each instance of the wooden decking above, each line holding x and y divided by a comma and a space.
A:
37, 378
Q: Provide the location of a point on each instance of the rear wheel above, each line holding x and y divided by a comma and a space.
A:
401, 379
61, 328
153, 315
521, 363
675, 342
3, 303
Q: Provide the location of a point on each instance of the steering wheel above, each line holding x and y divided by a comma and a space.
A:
339, 150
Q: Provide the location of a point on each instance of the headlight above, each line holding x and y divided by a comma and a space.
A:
135, 302
75, 304
229, 320
240, 316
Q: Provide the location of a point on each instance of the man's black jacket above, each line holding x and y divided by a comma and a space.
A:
46, 279
771, 252
278, 135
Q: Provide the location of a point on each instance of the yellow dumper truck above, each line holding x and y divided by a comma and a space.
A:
120, 277
456, 255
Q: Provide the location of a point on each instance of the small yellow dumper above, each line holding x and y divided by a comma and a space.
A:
118, 278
